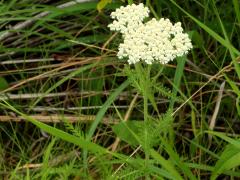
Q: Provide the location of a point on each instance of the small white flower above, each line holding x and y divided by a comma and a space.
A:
153, 41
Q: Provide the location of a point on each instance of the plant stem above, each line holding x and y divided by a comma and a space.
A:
145, 111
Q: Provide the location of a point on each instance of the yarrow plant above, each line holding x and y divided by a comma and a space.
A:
152, 41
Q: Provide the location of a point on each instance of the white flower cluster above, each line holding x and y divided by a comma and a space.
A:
153, 41
128, 18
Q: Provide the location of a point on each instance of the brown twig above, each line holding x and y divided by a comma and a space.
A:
63, 66
218, 75
217, 106
56, 118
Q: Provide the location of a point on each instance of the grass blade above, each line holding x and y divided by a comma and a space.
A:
209, 30
59, 133
166, 164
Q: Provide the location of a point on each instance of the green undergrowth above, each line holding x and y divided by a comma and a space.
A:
62, 68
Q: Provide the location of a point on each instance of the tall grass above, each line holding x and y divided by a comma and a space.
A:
72, 110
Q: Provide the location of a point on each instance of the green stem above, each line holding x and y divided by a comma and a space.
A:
143, 76
145, 111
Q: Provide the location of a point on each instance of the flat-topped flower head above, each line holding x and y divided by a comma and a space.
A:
153, 41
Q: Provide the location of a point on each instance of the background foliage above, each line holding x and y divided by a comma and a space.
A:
71, 110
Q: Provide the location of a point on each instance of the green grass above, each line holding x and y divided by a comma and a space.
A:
77, 77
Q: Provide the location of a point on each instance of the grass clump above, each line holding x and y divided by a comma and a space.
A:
71, 110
